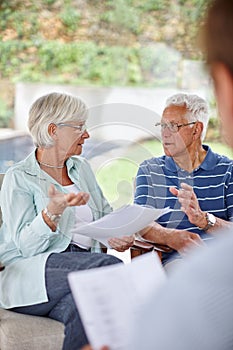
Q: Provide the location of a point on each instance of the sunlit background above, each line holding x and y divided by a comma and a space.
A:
123, 57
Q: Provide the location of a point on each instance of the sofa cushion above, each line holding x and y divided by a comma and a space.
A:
24, 332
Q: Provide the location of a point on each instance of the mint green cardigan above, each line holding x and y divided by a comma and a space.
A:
25, 240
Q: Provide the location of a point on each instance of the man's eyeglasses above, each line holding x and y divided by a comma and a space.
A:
173, 127
81, 128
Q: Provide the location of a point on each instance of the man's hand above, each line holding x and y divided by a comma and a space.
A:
121, 244
189, 204
183, 241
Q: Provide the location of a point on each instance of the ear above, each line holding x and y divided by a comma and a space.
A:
197, 130
52, 128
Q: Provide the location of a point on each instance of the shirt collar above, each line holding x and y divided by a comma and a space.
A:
209, 162
32, 167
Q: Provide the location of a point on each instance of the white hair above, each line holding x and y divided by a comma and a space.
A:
197, 108
54, 108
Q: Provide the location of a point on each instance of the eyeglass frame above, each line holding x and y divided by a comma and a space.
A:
178, 126
81, 128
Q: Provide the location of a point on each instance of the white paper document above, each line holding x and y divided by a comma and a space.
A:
124, 221
108, 298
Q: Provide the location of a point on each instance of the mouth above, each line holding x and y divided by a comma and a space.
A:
167, 144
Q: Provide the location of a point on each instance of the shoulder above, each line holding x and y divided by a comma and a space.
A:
80, 162
153, 162
219, 158
82, 166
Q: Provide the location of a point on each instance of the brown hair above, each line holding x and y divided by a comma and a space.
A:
218, 33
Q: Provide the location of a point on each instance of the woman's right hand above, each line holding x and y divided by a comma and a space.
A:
60, 201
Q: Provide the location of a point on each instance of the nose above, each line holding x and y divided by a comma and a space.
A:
85, 134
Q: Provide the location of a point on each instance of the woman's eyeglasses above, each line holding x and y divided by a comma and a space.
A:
81, 128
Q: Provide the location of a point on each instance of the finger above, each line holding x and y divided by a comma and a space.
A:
117, 244
77, 199
186, 187
114, 241
127, 239
84, 196
188, 205
195, 239
184, 194
121, 241
120, 244
174, 191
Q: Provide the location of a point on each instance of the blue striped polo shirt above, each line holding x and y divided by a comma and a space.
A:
212, 183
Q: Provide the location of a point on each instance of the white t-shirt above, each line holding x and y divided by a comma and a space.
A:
83, 214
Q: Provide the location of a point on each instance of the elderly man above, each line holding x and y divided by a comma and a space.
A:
196, 183
194, 309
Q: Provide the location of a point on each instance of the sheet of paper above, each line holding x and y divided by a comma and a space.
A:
122, 222
108, 298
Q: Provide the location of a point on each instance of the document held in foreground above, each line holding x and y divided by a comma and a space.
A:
109, 298
124, 221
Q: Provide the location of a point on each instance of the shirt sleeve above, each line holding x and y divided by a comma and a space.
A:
144, 192
22, 215
229, 194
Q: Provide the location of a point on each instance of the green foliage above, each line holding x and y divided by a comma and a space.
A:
70, 17
153, 5
6, 114
49, 2
105, 43
86, 62
12, 57
193, 10
123, 15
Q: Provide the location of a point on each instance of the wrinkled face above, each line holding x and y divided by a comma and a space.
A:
70, 138
177, 143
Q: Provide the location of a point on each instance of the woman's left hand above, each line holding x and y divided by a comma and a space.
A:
121, 244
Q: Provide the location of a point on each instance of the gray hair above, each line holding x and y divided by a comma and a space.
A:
54, 108
197, 108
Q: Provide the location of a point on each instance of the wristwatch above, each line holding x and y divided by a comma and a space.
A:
211, 221
53, 217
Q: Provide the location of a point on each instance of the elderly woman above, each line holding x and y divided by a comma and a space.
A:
44, 198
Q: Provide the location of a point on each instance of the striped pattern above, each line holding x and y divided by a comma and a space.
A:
212, 183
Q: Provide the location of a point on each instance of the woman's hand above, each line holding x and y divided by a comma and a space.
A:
121, 244
60, 201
